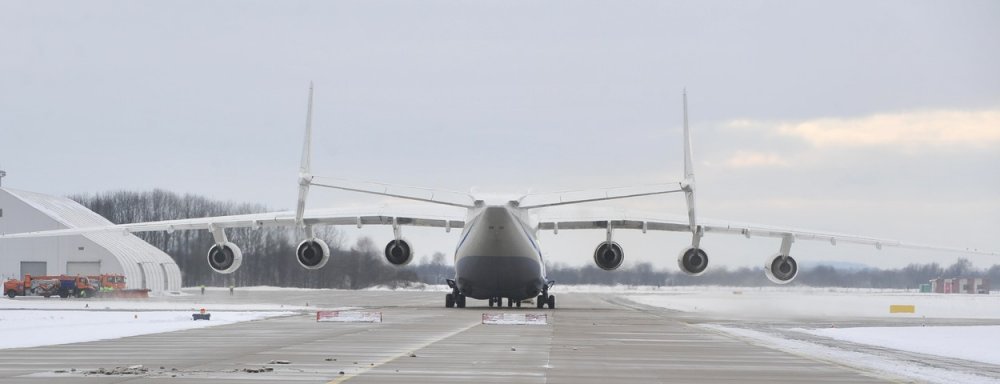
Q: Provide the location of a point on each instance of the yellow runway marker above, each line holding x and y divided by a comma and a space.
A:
902, 309
350, 375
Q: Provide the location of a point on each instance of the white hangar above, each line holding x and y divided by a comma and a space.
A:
143, 265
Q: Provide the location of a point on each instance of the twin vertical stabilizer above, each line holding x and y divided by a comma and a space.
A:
688, 183
305, 175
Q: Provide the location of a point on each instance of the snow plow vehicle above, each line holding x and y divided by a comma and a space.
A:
106, 285
32, 287
113, 285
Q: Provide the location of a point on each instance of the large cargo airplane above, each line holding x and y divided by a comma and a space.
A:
498, 255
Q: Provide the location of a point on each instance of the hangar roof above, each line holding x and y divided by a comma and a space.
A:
131, 251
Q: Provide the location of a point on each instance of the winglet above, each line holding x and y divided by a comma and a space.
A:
305, 177
688, 184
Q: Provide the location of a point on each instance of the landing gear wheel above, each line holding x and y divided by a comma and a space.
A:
460, 301
518, 304
540, 301
552, 302
449, 301
510, 302
491, 302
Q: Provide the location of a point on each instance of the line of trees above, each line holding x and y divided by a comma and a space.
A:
910, 276
269, 255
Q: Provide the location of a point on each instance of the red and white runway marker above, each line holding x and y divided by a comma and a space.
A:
515, 319
349, 316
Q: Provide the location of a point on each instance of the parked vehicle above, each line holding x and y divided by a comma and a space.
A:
106, 285
47, 286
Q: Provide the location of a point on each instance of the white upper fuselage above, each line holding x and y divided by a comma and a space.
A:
499, 249
498, 230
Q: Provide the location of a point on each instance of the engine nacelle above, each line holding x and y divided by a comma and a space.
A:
607, 257
225, 258
781, 270
692, 261
312, 253
398, 252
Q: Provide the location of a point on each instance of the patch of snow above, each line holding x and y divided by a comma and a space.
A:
961, 342
877, 364
416, 287
587, 288
22, 329
32, 302
753, 303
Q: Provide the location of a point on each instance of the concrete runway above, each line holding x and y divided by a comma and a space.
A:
592, 338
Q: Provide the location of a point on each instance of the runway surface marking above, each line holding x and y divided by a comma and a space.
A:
406, 352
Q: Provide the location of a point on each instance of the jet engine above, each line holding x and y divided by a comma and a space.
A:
692, 261
398, 252
225, 257
781, 269
609, 257
312, 253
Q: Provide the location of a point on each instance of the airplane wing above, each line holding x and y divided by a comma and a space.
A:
709, 226
693, 260
356, 217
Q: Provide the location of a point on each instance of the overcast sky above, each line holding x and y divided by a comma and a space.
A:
871, 117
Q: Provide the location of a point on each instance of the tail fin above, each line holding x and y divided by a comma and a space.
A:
688, 184
305, 175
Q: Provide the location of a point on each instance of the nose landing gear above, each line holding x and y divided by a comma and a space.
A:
454, 299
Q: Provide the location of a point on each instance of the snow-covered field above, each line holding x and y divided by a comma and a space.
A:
37, 321
752, 303
140, 305
899, 369
760, 308
32, 328
974, 343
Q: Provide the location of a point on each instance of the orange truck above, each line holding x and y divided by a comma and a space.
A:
31, 287
47, 286
113, 285
106, 285
108, 281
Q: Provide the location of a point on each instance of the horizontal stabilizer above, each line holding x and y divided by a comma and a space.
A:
427, 195
552, 199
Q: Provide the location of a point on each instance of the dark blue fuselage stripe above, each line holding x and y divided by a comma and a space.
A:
467, 233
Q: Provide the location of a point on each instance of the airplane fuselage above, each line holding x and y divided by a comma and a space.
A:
498, 255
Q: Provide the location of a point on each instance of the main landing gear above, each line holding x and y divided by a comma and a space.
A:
543, 300
455, 298
498, 301
546, 299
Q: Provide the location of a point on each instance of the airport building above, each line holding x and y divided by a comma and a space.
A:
143, 265
960, 285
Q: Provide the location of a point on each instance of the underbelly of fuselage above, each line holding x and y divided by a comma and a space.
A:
498, 257
515, 277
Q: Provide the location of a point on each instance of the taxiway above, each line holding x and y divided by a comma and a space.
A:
591, 338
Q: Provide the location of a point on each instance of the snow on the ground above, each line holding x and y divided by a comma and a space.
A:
586, 288
32, 328
808, 303
143, 305
415, 287
975, 343
880, 365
